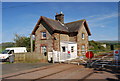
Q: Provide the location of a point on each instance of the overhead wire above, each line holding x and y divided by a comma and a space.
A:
20, 5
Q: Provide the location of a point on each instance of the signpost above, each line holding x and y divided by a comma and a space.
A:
89, 55
116, 56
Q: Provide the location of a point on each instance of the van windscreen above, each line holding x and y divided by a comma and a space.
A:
5, 52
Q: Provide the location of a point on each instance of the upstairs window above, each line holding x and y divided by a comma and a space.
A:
43, 35
83, 36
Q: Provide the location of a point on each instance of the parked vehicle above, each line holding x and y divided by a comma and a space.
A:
7, 54
17, 49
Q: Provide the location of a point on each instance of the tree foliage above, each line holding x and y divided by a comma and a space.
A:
95, 45
5, 45
22, 41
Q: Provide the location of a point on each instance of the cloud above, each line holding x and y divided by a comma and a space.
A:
101, 20
102, 17
102, 26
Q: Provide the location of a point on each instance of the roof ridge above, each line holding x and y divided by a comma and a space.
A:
76, 21
48, 18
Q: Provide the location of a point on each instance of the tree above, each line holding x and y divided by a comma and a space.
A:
93, 45
6, 45
22, 41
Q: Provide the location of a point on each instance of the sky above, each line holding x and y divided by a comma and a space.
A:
21, 17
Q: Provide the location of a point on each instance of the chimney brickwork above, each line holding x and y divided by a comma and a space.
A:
60, 17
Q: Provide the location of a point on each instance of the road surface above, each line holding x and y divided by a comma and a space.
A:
62, 72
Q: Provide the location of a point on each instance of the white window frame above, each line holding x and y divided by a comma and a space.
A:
72, 49
83, 49
83, 35
43, 49
42, 33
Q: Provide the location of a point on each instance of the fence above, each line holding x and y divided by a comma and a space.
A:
29, 57
98, 55
57, 56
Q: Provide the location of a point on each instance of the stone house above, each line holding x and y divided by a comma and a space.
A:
49, 33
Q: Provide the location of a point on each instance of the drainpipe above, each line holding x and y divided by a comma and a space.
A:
31, 42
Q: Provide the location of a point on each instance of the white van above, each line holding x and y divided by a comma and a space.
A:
7, 54
17, 49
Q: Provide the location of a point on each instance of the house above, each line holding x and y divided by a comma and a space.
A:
104, 45
49, 34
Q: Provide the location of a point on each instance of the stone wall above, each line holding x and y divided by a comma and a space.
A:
48, 42
59, 38
53, 41
81, 41
73, 39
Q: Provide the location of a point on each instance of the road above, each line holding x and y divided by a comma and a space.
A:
63, 72
15, 67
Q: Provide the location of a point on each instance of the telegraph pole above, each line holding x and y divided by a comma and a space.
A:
31, 42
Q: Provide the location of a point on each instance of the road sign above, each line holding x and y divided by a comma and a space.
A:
89, 54
117, 51
116, 54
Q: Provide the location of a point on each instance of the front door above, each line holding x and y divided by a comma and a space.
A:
63, 53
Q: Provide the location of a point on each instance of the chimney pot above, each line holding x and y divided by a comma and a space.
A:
60, 17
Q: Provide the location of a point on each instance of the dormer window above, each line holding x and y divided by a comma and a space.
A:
83, 36
43, 35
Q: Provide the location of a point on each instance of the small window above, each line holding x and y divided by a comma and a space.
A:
83, 49
63, 49
43, 35
72, 49
83, 36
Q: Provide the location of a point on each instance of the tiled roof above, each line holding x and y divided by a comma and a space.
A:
74, 26
58, 26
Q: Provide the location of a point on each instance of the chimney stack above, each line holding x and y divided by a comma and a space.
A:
60, 17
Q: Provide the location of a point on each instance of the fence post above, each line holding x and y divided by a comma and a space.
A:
53, 56
24, 57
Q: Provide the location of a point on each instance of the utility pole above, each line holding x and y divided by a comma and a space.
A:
31, 42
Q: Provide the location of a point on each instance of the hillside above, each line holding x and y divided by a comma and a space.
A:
109, 42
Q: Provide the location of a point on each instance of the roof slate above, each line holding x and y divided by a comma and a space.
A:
58, 26
74, 26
